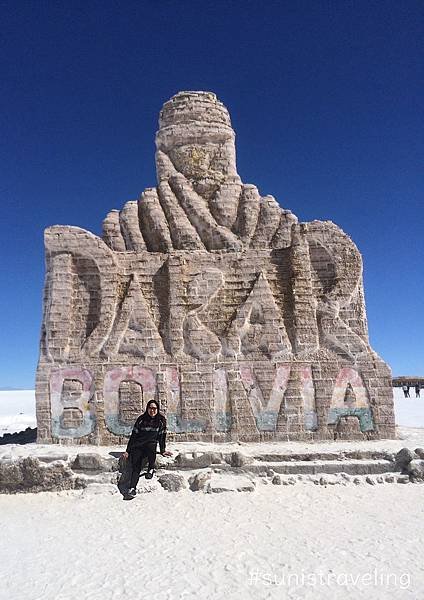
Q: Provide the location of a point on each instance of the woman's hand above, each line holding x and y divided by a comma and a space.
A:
125, 454
166, 453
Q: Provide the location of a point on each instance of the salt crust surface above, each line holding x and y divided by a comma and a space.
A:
59, 546
302, 541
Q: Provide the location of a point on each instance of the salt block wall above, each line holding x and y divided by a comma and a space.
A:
242, 322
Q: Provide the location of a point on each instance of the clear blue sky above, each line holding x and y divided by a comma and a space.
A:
325, 97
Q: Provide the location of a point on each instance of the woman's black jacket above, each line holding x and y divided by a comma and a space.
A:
148, 430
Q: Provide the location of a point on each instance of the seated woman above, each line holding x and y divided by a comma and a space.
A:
148, 430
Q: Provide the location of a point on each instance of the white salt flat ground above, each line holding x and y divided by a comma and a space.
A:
301, 541
295, 542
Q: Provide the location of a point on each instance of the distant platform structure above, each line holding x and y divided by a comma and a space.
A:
411, 380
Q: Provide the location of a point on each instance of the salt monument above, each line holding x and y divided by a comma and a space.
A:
244, 323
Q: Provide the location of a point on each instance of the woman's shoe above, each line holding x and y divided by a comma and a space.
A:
130, 494
149, 473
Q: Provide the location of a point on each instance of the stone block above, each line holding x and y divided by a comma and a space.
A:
402, 478
49, 458
173, 482
229, 483
90, 461
419, 452
403, 458
415, 469
199, 481
238, 459
198, 460
30, 475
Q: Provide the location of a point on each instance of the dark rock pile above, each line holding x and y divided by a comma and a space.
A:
29, 436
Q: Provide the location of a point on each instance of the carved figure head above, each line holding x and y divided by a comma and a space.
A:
195, 133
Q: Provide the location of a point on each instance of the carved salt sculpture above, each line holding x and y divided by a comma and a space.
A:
244, 323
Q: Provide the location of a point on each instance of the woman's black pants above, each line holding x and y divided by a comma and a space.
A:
136, 455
